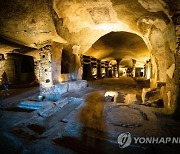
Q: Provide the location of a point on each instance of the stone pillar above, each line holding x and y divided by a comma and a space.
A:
118, 62
78, 67
56, 62
134, 68
2, 69
45, 70
148, 69
134, 72
107, 68
36, 69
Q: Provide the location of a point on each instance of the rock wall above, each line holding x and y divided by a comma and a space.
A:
56, 61
70, 62
35, 53
178, 52
18, 67
159, 35
82, 22
178, 47
2, 62
36, 68
22, 19
163, 53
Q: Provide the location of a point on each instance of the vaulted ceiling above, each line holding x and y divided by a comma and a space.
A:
34, 23
120, 45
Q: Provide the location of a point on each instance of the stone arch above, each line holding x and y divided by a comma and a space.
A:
82, 22
161, 45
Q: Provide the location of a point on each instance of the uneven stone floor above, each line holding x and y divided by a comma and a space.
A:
85, 122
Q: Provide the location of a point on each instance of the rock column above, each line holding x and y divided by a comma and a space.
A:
56, 62
2, 69
78, 67
178, 45
148, 69
118, 63
134, 68
45, 70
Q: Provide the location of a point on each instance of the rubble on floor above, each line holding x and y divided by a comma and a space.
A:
152, 97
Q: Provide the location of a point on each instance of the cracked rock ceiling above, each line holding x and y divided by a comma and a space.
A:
33, 23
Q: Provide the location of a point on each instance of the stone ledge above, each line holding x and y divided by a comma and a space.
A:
76, 85
55, 92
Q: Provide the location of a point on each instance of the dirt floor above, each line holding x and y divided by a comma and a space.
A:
84, 121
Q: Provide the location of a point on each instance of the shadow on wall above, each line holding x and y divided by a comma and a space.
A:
68, 61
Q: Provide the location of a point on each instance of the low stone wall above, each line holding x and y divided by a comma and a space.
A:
55, 92
76, 85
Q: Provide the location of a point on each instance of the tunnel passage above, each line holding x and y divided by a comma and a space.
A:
122, 44
121, 51
19, 68
128, 54
67, 64
81, 23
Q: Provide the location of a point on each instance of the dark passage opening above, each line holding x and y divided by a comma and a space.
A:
19, 68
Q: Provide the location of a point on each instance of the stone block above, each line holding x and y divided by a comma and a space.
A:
61, 88
47, 110
77, 85
31, 105
55, 92
152, 97
144, 91
111, 96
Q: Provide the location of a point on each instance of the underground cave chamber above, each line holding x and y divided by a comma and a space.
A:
80, 72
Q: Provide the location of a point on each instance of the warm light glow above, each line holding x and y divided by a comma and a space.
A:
130, 98
94, 71
122, 71
113, 94
148, 73
140, 63
64, 77
116, 75
103, 71
112, 26
142, 71
113, 62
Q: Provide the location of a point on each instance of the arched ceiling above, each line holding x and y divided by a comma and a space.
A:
120, 45
79, 22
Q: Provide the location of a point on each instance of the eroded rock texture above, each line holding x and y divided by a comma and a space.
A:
81, 23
